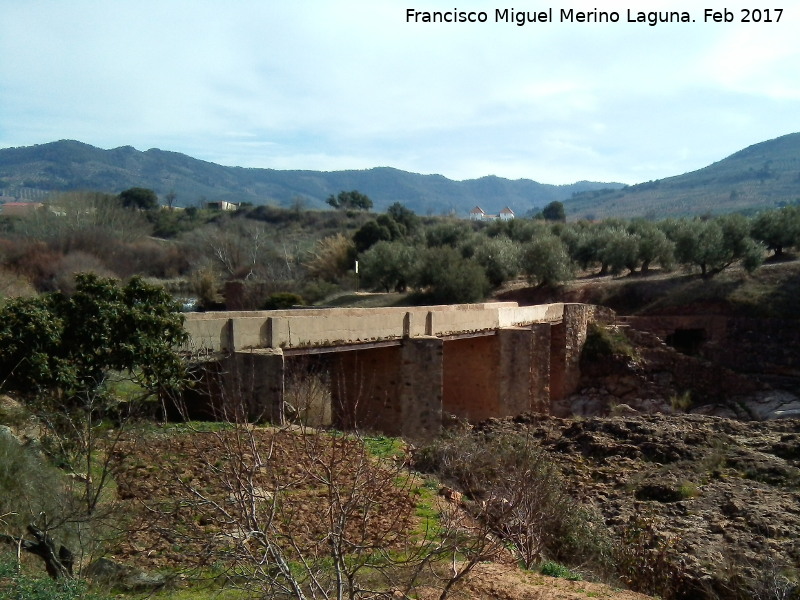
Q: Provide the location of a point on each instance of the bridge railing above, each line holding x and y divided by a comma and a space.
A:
298, 328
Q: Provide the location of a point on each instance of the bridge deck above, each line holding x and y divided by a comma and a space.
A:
314, 330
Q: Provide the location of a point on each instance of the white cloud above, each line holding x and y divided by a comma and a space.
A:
350, 84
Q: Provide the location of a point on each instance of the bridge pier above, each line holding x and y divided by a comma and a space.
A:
396, 390
421, 391
540, 367
254, 385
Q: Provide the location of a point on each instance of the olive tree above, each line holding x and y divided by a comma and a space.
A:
778, 229
499, 256
545, 261
714, 244
389, 265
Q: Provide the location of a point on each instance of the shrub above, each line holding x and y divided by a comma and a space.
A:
649, 563
28, 485
449, 278
681, 402
15, 585
554, 569
519, 491
282, 300
605, 342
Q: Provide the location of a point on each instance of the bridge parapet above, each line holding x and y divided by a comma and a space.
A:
335, 327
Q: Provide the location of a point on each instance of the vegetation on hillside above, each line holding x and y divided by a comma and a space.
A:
312, 255
761, 177
31, 173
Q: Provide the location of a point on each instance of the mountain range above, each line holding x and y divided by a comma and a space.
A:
31, 172
765, 175
762, 176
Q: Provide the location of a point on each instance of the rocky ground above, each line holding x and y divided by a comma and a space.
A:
718, 498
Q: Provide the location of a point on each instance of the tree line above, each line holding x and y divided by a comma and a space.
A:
289, 256
461, 262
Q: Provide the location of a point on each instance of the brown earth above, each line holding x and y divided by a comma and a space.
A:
161, 477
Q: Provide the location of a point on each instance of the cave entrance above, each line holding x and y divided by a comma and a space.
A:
687, 341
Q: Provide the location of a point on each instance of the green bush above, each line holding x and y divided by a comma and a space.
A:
68, 345
283, 300
449, 278
554, 569
605, 342
16, 585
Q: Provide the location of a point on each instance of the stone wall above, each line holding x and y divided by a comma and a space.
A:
319, 327
764, 348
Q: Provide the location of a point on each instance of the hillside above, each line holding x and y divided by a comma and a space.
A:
31, 172
765, 175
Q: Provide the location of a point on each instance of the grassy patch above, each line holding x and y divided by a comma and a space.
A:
604, 342
554, 569
19, 585
384, 447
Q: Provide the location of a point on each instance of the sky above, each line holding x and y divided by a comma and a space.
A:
355, 84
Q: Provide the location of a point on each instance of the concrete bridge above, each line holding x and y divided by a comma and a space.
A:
396, 370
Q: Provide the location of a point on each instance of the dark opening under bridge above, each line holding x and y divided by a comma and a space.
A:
399, 370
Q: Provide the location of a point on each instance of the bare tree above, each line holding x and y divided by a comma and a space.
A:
293, 511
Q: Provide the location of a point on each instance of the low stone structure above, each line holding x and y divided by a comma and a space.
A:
399, 370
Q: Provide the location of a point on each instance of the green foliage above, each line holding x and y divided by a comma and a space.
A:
500, 257
604, 342
353, 200
714, 244
554, 212
15, 585
382, 446
283, 300
545, 261
681, 402
778, 229
169, 223
140, 198
448, 233
554, 569
29, 485
653, 245
70, 344
405, 217
648, 562
518, 230
89, 221
448, 278
688, 489
383, 228
522, 496
331, 258
389, 265
619, 251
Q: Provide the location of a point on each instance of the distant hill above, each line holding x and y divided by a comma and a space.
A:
32, 172
765, 175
